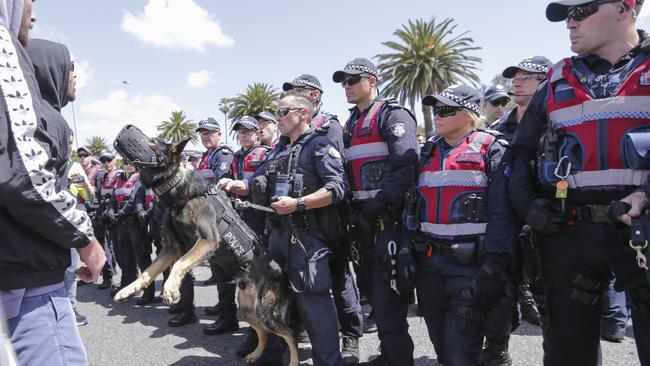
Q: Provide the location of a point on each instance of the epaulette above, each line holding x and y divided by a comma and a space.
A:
225, 149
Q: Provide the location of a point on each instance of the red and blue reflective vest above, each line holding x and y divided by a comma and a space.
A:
367, 155
123, 188
245, 164
108, 182
592, 132
448, 179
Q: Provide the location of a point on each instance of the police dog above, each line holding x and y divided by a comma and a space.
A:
265, 299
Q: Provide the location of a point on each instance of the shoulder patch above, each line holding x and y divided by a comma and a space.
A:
334, 153
223, 166
398, 129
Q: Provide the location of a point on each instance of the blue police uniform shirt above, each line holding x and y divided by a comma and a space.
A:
319, 162
507, 124
220, 160
397, 126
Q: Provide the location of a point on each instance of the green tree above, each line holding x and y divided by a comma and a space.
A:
96, 145
427, 57
177, 128
257, 98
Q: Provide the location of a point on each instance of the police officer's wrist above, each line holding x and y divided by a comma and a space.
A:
301, 206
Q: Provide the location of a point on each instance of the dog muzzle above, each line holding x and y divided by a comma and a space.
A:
133, 145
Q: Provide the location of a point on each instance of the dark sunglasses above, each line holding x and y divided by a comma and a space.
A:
72, 65
445, 111
104, 161
281, 112
351, 80
82, 156
501, 102
582, 12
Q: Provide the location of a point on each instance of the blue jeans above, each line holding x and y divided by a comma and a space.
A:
70, 277
45, 331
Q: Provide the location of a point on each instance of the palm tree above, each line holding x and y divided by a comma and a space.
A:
177, 128
96, 145
256, 98
224, 107
427, 58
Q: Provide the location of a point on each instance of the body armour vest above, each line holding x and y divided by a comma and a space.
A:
605, 140
452, 185
367, 154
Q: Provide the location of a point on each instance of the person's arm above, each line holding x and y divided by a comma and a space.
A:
27, 189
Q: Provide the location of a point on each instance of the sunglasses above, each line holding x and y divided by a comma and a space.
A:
281, 112
501, 102
351, 80
81, 156
105, 161
582, 12
71, 65
445, 110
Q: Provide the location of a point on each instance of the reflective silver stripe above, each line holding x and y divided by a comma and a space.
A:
364, 195
368, 118
373, 149
610, 177
458, 178
125, 191
636, 107
453, 229
478, 141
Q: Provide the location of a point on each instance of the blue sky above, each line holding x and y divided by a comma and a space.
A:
187, 54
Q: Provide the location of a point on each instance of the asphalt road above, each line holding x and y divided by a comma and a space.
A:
123, 334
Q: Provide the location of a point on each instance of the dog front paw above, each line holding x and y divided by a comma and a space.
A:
253, 357
128, 291
171, 294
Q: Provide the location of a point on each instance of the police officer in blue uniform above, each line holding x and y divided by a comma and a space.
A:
381, 163
581, 130
306, 177
214, 164
268, 126
461, 265
495, 103
344, 287
526, 77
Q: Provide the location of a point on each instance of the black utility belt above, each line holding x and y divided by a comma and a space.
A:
464, 252
591, 213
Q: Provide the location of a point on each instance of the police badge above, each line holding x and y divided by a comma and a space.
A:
398, 129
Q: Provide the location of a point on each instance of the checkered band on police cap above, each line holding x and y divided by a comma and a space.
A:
362, 68
209, 124
307, 83
471, 106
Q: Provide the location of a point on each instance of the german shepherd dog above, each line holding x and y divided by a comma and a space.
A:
265, 299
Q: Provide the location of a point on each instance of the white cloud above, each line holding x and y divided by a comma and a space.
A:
105, 117
200, 79
645, 13
176, 24
85, 73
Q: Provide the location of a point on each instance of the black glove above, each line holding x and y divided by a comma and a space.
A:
405, 269
640, 299
372, 209
545, 216
489, 282
111, 218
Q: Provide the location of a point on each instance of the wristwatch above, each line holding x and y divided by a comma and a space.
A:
300, 205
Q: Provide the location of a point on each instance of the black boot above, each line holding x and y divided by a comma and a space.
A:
527, 304
107, 282
226, 322
182, 318
249, 344
350, 351
495, 354
213, 310
369, 324
148, 296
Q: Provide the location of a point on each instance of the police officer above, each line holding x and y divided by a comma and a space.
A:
310, 87
215, 163
526, 77
382, 156
495, 103
306, 174
268, 125
581, 129
244, 164
105, 183
454, 276
344, 288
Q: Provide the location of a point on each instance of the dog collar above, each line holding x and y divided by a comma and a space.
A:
169, 184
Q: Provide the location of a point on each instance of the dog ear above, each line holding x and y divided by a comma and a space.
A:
177, 149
